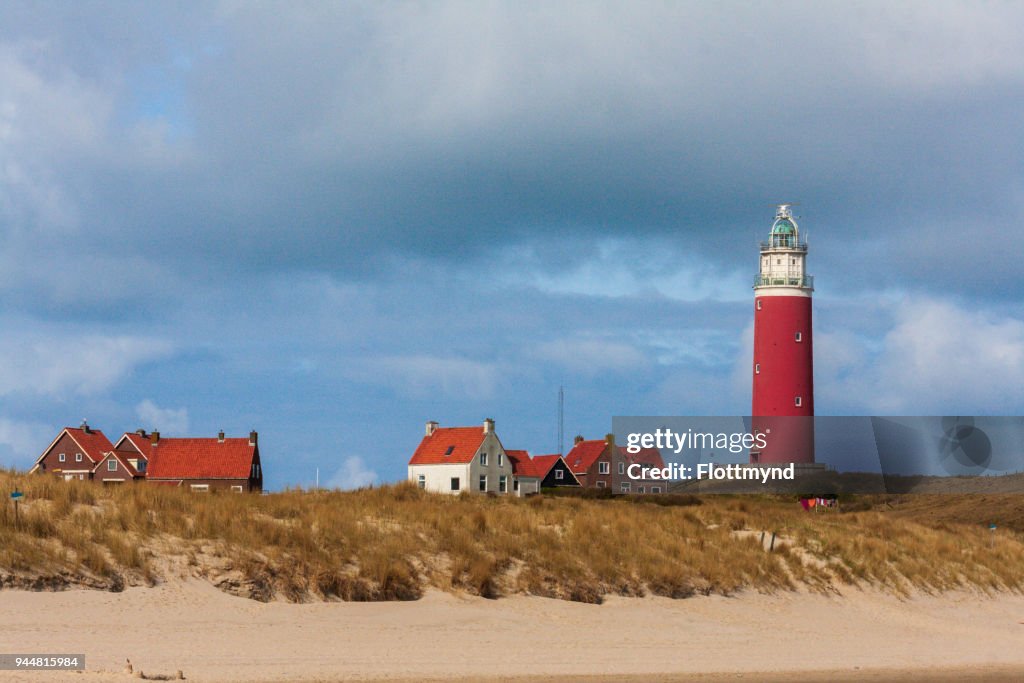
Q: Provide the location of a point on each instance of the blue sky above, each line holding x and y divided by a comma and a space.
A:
332, 222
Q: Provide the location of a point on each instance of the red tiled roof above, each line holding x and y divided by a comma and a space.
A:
448, 445
542, 464
584, 454
175, 458
647, 456
522, 465
141, 443
94, 444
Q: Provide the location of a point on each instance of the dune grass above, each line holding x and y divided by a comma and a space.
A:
392, 542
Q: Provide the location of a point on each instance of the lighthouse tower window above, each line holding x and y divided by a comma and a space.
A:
799, 337
759, 304
798, 401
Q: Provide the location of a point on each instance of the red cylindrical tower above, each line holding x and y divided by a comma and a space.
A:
783, 397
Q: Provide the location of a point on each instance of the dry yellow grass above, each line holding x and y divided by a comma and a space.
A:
391, 542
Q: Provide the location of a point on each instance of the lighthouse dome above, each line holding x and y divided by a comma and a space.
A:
783, 226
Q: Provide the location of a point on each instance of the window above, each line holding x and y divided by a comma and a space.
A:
501, 459
515, 484
798, 401
449, 451
421, 481
483, 482
61, 457
603, 468
236, 489
81, 477
78, 457
799, 337
483, 460
778, 262
759, 304
455, 483
655, 489
639, 489
624, 486
111, 465
559, 474
622, 468
502, 484
601, 484
757, 368
200, 488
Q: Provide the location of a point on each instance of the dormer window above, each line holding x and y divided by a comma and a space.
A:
449, 451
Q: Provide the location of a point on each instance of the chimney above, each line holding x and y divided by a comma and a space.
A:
141, 432
579, 437
610, 440
154, 438
252, 437
431, 426
84, 426
220, 436
488, 426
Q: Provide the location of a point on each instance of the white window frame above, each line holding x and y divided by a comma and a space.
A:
421, 481
757, 368
483, 458
503, 484
456, 484
622, 468
624, 487
799, 337
62, 457
559, 474
759, 304
237, 488
501, 459
482, 486
199, 488
798, 401
604, 467
78, 457
111, 465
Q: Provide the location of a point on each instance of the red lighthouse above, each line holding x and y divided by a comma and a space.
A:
783, 405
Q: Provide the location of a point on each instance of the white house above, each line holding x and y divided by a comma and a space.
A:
462, 459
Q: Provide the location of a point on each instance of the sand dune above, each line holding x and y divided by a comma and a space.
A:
212, 636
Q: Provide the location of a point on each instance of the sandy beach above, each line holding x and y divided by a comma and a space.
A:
210, 636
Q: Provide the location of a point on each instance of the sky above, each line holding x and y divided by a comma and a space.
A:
332, 222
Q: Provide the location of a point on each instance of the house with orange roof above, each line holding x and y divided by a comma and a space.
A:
115, 468
206, 464
602, 464
526, 480
74, 454
135, 448
456, 460
553, 471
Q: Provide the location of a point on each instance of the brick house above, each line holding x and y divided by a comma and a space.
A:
206, 464
553, 471
74, 454
115, 468
457, 460
603, 464
135, 448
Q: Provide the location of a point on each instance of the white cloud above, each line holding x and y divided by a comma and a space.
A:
167, 420
60, 362
22, 441
937, 358
352, 474
590, 357
423, 375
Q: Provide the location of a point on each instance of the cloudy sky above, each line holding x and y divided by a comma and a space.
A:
334, 221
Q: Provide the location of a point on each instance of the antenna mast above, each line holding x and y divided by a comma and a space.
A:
561, 420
